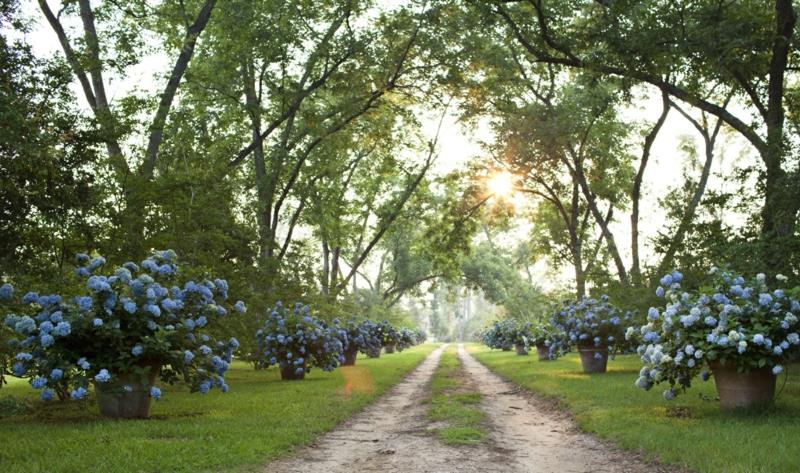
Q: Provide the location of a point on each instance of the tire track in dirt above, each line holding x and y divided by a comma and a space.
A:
538, 439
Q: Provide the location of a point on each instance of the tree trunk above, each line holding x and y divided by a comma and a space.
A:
636, 192
264, 207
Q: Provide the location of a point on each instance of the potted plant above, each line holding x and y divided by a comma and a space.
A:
361, 337
594, 327
740, 331
407, 338
391, 337
500, 335
296, 341
538, 336
127, 330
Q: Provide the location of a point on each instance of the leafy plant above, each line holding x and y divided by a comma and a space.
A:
298, 340
587, 323
731, 321
127, 323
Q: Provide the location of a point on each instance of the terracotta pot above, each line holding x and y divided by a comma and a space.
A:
288, 373
521, 350
126, 396
592, 364
742, 390
390, 348
350, 357
543, 351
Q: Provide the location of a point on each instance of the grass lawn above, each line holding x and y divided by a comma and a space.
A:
688, 431
454, 404
260, 418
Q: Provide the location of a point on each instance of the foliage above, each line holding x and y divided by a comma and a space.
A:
296, 339
730, 321
127, 323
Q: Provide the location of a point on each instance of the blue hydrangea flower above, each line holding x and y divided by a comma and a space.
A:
38, 382
103, 376
84, 364
97, 262
6, 292
777, 369
204, 350
18, 369
240, 307
153, 309
97, 322
188, 357
155, 393
78, 393
137, 350
56, 374
204, 387
84, 303
62, 329
47, 395
25, 325
660, 291
30, 298
24, 356
129, 306
46, 340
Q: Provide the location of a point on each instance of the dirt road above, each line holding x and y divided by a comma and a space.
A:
524, 435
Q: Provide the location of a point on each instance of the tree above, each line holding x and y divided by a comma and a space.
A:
741, 48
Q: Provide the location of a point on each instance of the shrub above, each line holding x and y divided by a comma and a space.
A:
588, 323
300, 340
126, 323
731, 321
363, 337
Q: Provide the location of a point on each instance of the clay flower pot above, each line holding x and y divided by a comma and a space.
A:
390, 348
521, 350
126, 396
594, 359
743, 390
350, 356
543, 351
288, 373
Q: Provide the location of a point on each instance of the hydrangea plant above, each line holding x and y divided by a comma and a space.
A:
498, 336
391, 336
363, 336
588, 323
732, 322
407, 338
296, 341
136, 320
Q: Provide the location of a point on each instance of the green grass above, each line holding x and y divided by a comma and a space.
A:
688, 431
260, 419
454, 404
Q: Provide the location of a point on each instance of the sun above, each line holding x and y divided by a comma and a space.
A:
501, 184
